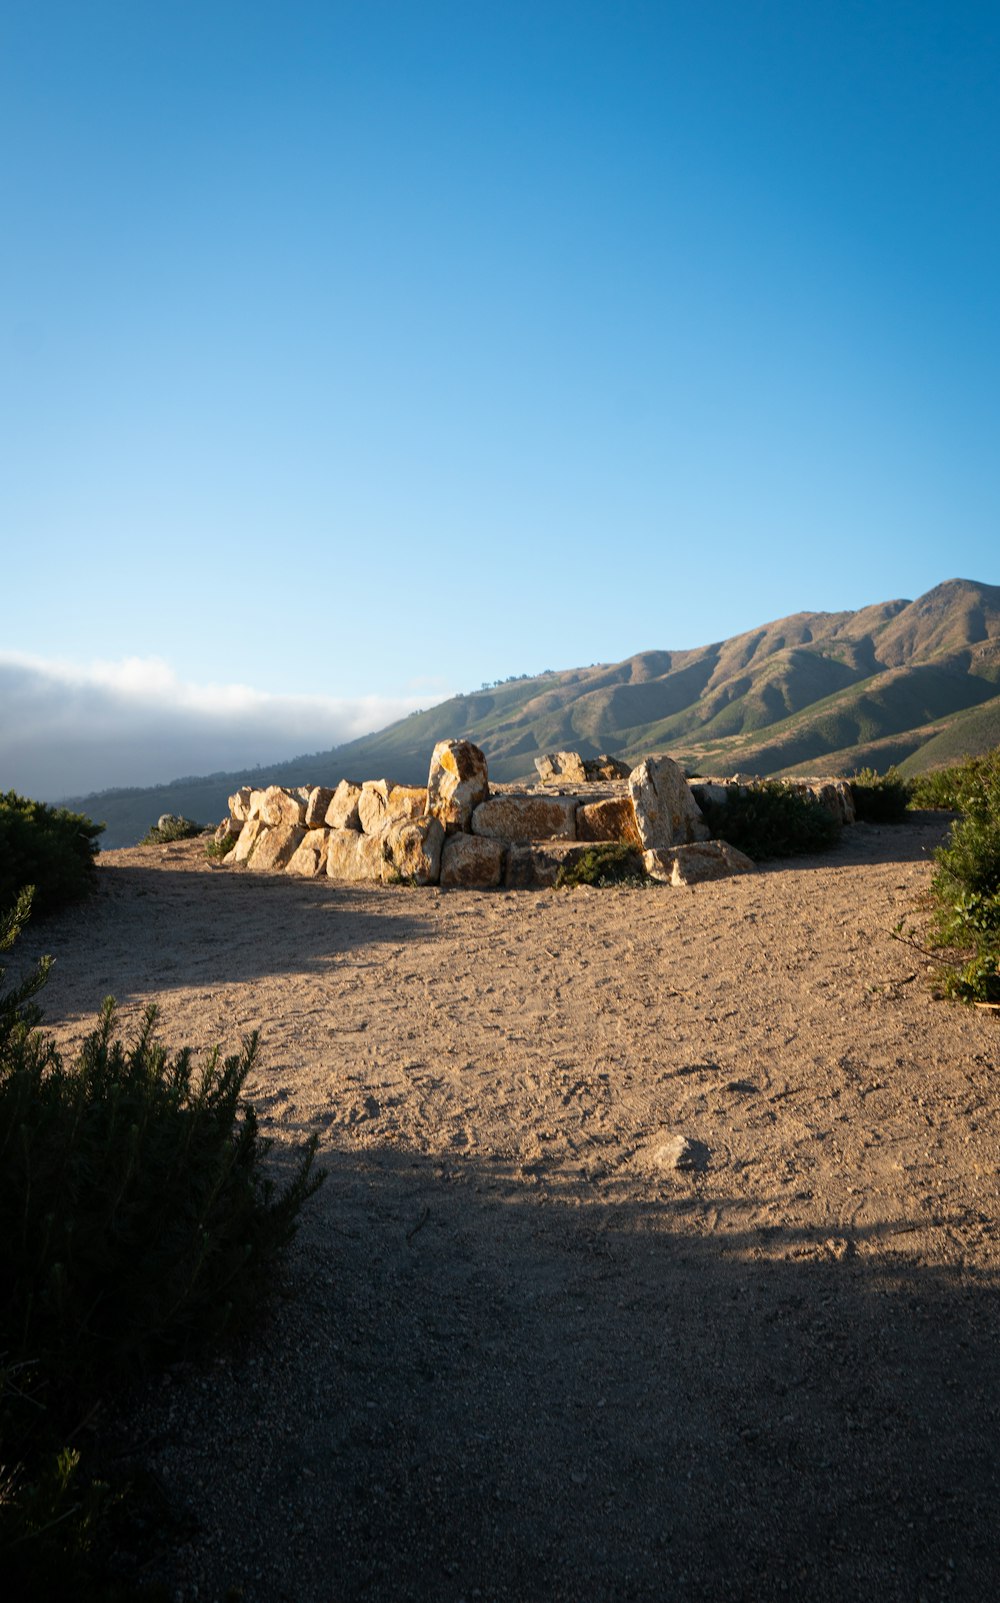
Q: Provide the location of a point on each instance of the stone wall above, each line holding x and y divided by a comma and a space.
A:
458, 831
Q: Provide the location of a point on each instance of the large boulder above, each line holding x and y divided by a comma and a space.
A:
519, 818
247, 840
373, 805
535, 865
833, 795
414, 845
239, 804
353, 856
317, 804
569, 768
613, 818
276, 846
309, 857
561, 768
691, 864
342, 812
406, 801
666, 813
474, 862
457, 783
280, 806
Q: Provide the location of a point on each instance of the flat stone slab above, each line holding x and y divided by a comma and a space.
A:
701, 860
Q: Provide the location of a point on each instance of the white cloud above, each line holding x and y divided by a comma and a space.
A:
67, 729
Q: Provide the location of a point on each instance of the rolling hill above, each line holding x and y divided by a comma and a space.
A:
915, 683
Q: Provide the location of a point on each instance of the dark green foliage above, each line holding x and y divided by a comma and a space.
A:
770, 820
136, 1223
966, 885
880, 798
606, 863
46, 847
947, 788
171, 828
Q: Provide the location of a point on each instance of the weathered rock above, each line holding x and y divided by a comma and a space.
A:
415, 848
276, 846
353, 856
373, 805
535, 865
521, 818
249, 835
701, 860
342, 812
561, 767
610, 819
317, 805
569, 768
406, 801
710, 790
833, 795
666, 813
170, 821
279, 806
309, 857
239, 804
473, 862
682, 1152
457, 783
255, 804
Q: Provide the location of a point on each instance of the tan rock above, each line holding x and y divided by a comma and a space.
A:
352, 856
701, 860
239, 804
276, 846
373, 805
666, 813
415, 847
521, 818
834, 795
458, 781
342, 812
474, 862
605, 767
561, 768
317, 805
406, 801
281, 806
309, 857
249, 835
610, 819
255, 804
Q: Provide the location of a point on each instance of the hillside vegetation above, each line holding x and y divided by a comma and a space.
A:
911, 683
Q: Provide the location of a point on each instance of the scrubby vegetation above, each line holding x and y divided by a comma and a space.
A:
137, 1223
966, 884
947, 788
607, 863
770, 820
170, 827
880, 798
48, 848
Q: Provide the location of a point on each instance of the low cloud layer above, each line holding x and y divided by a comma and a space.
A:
67, 730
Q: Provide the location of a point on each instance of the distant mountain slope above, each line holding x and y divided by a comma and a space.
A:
916, 682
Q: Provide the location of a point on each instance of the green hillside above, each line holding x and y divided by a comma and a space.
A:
910, 682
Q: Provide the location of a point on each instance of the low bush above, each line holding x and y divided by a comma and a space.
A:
48, 848
770, 820
606, 863
946, 788
880, 798
170, 827
966, 884
136, 1223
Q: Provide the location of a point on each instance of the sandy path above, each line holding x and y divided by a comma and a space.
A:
523, 1360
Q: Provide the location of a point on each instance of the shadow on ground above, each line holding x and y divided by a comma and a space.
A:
481, 1390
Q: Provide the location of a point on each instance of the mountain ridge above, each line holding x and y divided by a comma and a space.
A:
907, 681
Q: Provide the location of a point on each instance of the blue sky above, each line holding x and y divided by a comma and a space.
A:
352, 354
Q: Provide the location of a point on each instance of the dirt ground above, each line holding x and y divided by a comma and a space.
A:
521, 1357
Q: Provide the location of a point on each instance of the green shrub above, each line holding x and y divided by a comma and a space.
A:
606, 863
880, 798
966, 884
170, 827
946, 788
770, 820
46, 847
136, 1223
